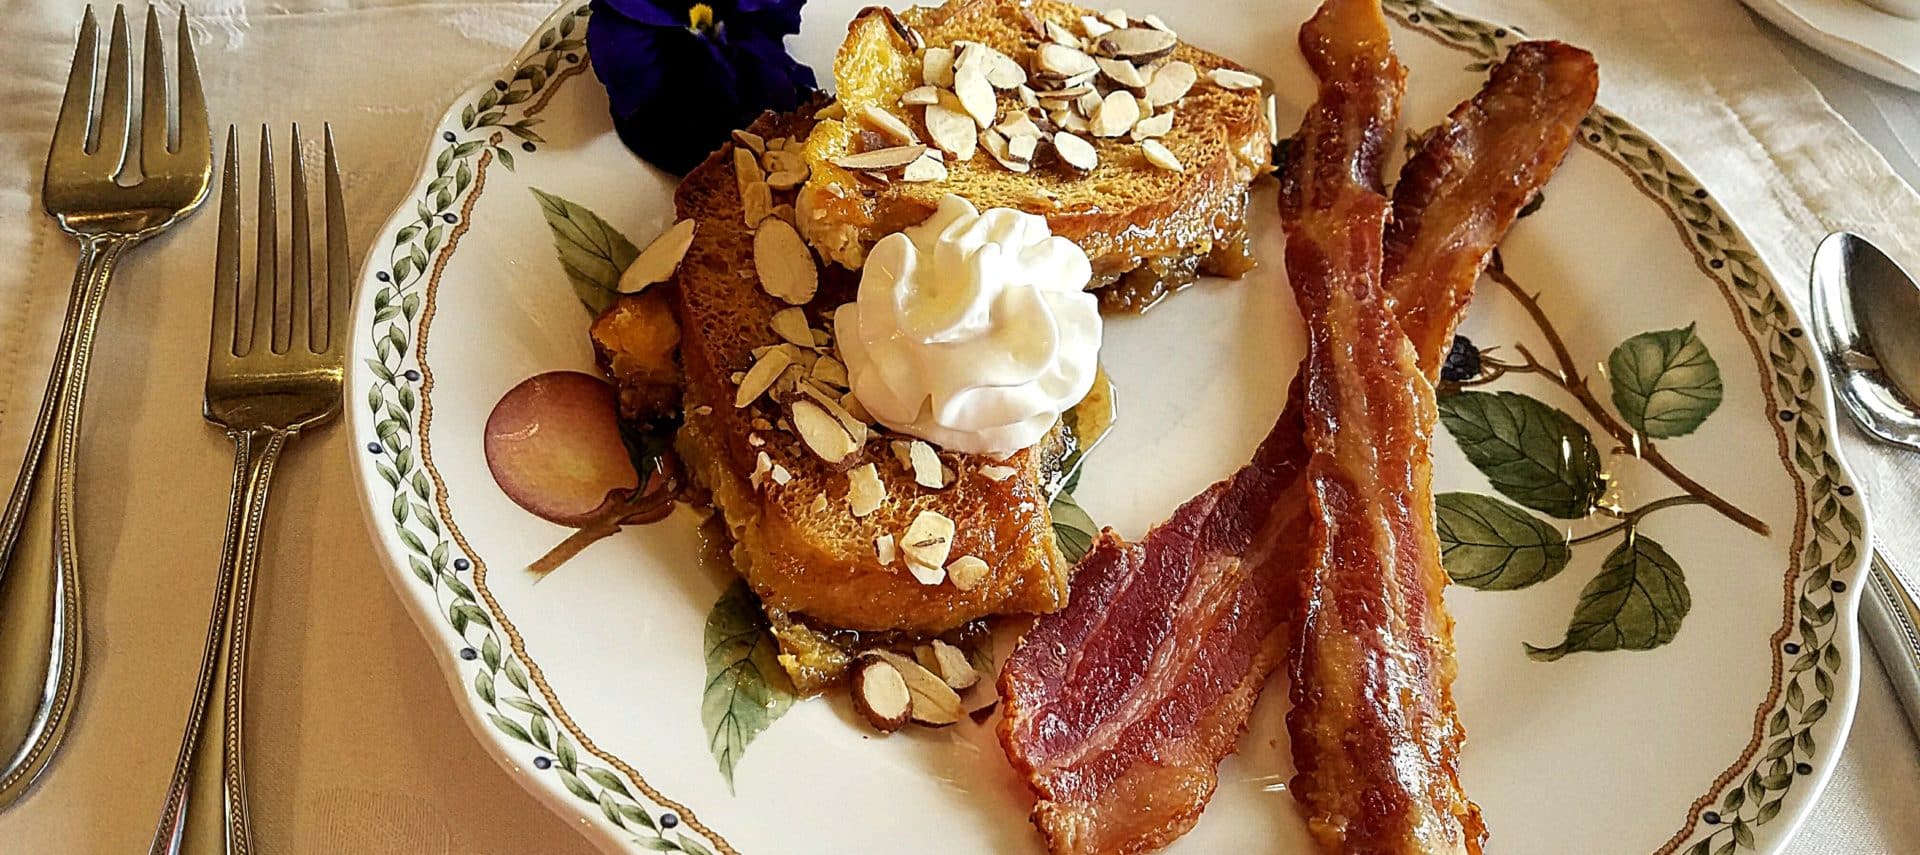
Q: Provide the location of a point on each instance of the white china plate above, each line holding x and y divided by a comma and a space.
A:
588, 686
1869, 40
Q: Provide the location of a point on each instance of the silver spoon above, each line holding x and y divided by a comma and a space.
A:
1866, 319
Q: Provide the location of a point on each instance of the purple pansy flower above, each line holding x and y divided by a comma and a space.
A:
681, 75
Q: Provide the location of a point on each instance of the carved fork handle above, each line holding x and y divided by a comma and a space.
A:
40, 614
206, 807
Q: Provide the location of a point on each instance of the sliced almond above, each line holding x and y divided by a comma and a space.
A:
1116, 17
926, 543
1089, 103
756, 202
1171, 82
1141, 45
1069, 95
1116, 115
1026, 96
901, 453
784, 181
936, 67
935, 704
887, 124
823, 434
1076, 123
783, 262
657, 262
831, 372
926, 465
1061, 35
921, 96
1094, 26
1154, 21
998, 473
784, 211
791, 324
999, 69
760, 377
779, 475
1122, 72
880, 693
819, 504
855, 428
832, 112
746, 167
930, 167
1022, 148
1061, 61
865, 492
1020, 125
1160, 156
851, 403
784, 161
967, 572
1153, 126
885, 550
762, 465
1273, 118
1227, 78
976, 94
996, 146
751, 140
881, 159
1075, 152
953, 131
950, 663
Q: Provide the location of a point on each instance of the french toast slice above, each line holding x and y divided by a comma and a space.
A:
1146, 228
815, 564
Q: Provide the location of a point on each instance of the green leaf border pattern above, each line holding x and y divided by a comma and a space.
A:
1752, 792
487, 126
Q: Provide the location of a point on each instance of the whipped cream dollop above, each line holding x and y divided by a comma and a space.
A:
972, 330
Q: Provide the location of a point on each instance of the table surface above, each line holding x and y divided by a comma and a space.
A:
357, 755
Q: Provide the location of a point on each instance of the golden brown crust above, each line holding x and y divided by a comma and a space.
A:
801, 559
1122, 213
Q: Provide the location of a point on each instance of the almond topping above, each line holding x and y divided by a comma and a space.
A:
1116, 17
756, 202
780, 475
880, 694
783, 181
822, 433
1075, 152
1094, 26
967, 572
854, 408
884, 549
657, 262
926, 465
1002, 153
902, 454
1116, 115
998, 473
791, 324
930, 167
831, 372
1139, 45
1022, 148
936, 67
1154, 21
999, 69
950, 662
1227, 78
1153, 126
887, 124
1122, 72
1160, 156
1061, 35
976, 94
1062, 61
921, 96
935, 704
855, 428
761, 466
1171, 83
881, 159
952, 130
750, 140
761, 376
926, 543
746, 167
783, 262
865, 493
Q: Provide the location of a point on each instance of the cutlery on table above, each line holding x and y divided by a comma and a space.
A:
97, 144
275, 364
1866, 318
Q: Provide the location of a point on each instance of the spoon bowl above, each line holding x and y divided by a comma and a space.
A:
1864, 305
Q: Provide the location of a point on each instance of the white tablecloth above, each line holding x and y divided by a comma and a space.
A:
356, 746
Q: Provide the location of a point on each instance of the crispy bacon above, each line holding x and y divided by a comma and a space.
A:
1120, 708
1375, 735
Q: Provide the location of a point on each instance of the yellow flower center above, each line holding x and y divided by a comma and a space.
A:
700, 18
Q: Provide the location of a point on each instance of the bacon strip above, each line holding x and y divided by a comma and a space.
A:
1120, 708
1376, 738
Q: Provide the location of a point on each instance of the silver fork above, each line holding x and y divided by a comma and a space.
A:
96, 146
275, 365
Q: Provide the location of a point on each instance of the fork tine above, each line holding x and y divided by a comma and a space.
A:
226, 265
153, 96
196, 142
339, 289
300, 278
266, 256
76, 107
117, 98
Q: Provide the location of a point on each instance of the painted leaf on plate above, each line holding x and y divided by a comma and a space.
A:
1073, 529
1636, 603
1665, 383
1530, 452
1491, 545
746, 688
593, 252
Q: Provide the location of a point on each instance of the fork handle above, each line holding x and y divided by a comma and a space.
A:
40, 616
206, 807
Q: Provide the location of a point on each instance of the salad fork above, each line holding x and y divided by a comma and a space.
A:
97, 149
275, 365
